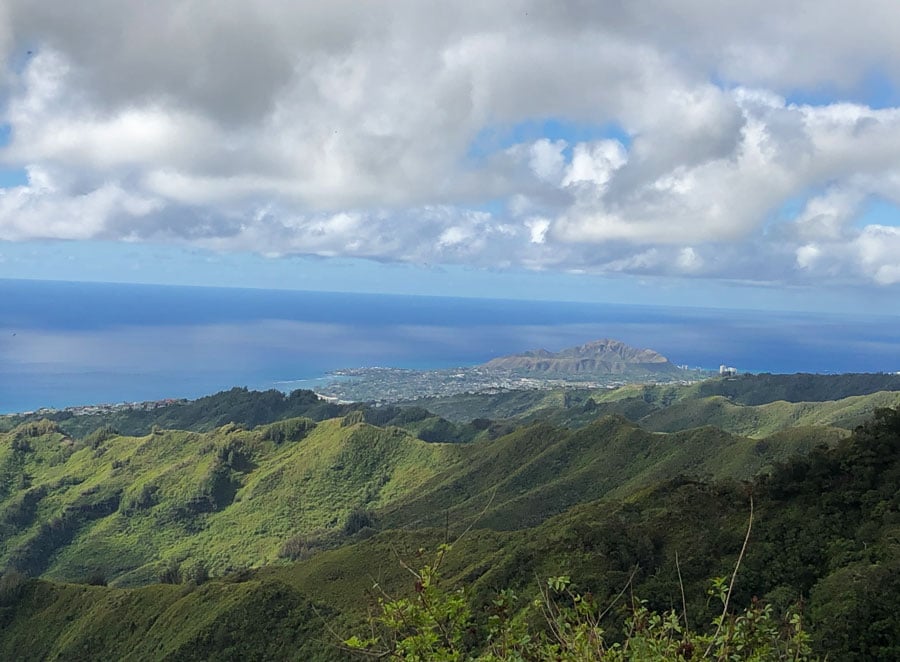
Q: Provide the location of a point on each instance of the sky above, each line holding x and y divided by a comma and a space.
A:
652, 151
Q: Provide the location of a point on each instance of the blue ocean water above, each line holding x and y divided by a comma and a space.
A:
65, 344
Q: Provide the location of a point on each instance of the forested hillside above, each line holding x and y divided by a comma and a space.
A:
124, 507
749, 405
264, 542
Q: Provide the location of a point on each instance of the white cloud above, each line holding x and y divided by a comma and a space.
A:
453, 236
825, 217
42, 210
689, 260
537, 228
547, 160
808, 255
879, 253
595, 162
340, 129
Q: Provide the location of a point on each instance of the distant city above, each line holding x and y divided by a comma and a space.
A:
378, 384
87, 410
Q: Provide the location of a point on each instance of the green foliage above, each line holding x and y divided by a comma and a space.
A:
229, 497
233, 496
171, 573
37, 428
35, 552
357, 520
143, 498
856, 611
20, 444
597, 501
437, 429
429, 626
293, 429
100, 435
502, 405
194, 571
391, 415
751, 405
250, 409
12, 583
295, 548
20, 511
253, 620
241, 406
96, 578
598, 543
800, 387
562, 624
353, 418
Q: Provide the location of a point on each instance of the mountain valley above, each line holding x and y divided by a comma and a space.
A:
219, 511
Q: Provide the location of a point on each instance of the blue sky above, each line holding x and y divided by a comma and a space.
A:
658, 153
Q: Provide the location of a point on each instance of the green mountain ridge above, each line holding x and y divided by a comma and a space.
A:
231, 497
325, 507
670, 408
825, 529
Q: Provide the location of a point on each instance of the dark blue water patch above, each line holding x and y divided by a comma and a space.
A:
62, 305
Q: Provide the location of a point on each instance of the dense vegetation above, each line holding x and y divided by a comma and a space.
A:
562, 625
128, 507
248, 409
801, 387
749, 405
238, 405
327, 509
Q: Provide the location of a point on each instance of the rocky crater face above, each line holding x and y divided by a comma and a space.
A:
600, 357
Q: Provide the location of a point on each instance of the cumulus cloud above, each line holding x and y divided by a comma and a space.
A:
348, 129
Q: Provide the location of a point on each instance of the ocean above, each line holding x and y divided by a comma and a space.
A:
64, 344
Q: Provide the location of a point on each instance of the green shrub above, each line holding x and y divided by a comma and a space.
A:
96, 578
294, 548
171, 573
563, 625
353, 418
20, 444
143, 499
408, 415
237, 575
294, 429
12, 584
195, 572
101, 434
358, 520
36, 428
